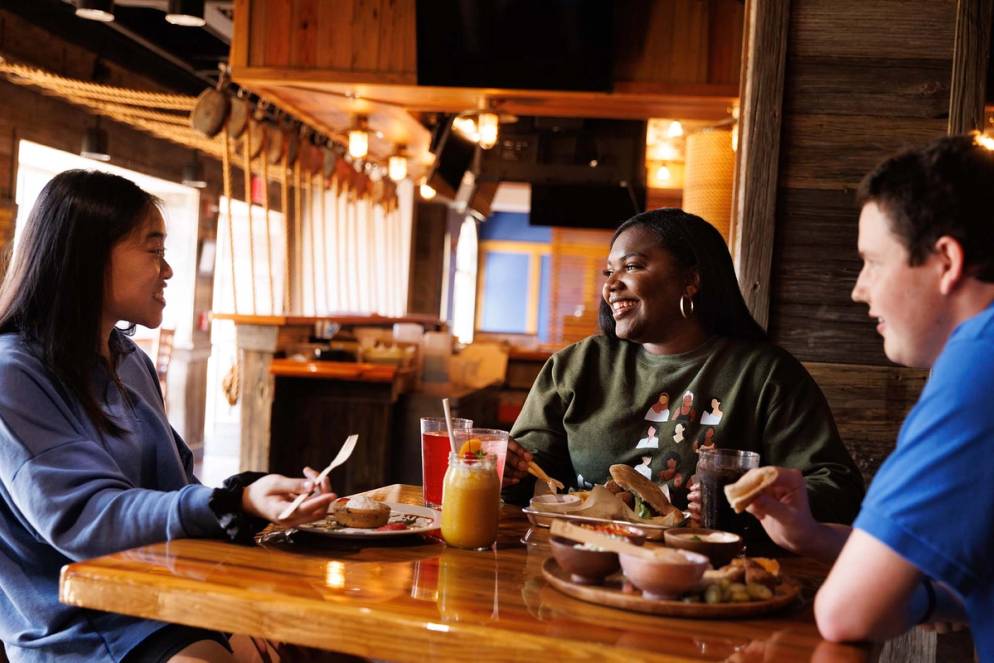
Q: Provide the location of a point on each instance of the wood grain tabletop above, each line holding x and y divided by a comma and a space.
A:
414, 599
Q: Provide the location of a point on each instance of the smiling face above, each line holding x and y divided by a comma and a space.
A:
137, 275
906, 300
643, 288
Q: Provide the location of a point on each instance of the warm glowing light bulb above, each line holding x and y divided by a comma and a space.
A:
487, 125
664, 152
358, 143
984, 141
397, 167
675, 130
663, 174
467, 127
426, 191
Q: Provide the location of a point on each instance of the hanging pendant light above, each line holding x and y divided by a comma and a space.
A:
186, 12
95, 143
397, 165
487, 126
359, 139
95, 10
426, 190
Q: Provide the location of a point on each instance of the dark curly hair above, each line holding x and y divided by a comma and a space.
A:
695, 244
945, 188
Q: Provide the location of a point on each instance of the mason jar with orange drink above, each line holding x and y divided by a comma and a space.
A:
471, 495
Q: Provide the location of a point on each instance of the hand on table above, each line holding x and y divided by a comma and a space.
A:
516, 464
270, 495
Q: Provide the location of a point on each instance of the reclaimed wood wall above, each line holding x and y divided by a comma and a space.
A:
862, 80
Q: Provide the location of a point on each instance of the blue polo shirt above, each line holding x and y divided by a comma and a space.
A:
932, 501
69, 492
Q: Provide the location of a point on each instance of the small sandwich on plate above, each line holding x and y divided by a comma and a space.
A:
649, 503
749, 486
361, 512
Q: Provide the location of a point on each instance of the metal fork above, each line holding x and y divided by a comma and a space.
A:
343, 455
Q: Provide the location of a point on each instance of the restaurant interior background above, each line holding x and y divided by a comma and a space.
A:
630, 106
400, 174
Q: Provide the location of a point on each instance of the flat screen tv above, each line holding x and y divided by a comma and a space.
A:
585, 205
515, 44
453, 157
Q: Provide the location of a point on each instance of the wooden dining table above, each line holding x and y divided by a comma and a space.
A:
415, 599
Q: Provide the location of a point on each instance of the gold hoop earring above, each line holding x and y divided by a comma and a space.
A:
683, 308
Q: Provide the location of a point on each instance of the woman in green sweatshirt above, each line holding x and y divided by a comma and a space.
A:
680, 364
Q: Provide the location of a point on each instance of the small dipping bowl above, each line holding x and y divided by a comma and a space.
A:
553, 504
585, 567
718, 546
667, 577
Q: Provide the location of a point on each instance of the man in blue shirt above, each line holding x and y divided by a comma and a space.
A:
922, 546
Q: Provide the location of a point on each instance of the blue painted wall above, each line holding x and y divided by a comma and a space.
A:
514, 227
505, 295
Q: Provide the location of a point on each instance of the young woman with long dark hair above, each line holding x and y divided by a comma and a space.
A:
674, 322
89, 464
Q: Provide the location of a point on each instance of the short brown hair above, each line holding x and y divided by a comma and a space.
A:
944, 188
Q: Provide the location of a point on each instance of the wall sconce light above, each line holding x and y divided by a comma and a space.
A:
426, 191
397, 165
675, 129
95, 10
359, 139
95, 143
186, 12
193, 173
487, 125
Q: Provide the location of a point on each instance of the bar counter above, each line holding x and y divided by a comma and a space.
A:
419, 600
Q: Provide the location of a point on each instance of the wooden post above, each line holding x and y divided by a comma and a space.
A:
256, 344
971, 51
754, 209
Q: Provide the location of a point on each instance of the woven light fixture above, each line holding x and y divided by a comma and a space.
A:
708, 172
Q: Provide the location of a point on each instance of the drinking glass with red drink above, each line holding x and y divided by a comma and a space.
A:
435, 450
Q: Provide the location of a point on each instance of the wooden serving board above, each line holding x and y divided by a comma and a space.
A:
612, 594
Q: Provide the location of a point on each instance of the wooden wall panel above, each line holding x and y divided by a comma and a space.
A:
661, 41
725, 19
344, 36
899, 29
869, 404
886, 87
835, 152
856, 90
304, 31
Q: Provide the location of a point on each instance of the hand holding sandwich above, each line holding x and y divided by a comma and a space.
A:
781, 506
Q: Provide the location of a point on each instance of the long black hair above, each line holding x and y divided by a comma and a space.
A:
695, 244
53, 293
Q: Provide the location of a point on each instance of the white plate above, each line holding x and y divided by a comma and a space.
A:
422, 520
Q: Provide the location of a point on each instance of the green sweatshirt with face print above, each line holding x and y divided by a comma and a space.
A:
604, 401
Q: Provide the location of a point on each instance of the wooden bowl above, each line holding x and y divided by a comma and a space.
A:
718, 546
665, 578
586, 567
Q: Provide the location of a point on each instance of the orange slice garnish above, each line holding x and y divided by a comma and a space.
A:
471, 446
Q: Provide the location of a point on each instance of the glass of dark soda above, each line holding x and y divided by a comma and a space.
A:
716, 468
